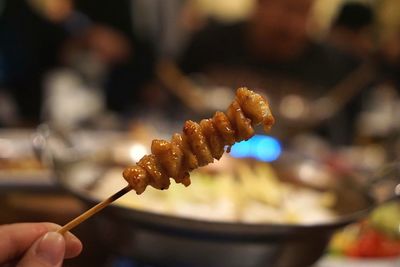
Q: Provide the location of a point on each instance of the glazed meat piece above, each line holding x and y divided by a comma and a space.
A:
224, 128
169, 161
255, 107
214, 140
243, 127
152, 166
137, 178
200, 143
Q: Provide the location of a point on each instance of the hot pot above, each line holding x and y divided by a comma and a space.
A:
165, 240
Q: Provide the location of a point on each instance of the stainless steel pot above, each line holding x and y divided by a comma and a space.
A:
173, 241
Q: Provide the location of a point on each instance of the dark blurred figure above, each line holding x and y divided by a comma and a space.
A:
28, 48
131, 59
37, 36
273, 40
352, 30
272, 50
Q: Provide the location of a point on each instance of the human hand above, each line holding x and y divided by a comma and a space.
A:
36, 245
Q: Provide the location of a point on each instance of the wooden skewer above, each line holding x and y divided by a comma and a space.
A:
89, 213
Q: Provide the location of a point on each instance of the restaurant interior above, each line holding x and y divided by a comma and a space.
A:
88, 88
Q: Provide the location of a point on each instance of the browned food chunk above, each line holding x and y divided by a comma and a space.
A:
214, 140
198, 143
224, 127
241, 124
189, 159
184, 178
255, 107
169, 155
157, 178
137, 178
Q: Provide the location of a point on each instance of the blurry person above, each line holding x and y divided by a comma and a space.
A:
272, 50
129, 59
29, 44
274, 40
352, 30
38, 36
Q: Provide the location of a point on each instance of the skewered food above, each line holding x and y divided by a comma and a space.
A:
197, 146
199, 143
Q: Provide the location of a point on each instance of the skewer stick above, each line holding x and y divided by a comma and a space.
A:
87, 214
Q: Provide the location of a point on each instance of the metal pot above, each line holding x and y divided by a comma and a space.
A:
174, 241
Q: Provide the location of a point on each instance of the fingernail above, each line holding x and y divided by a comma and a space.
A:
51, 248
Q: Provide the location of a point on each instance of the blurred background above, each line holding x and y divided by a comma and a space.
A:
112, 74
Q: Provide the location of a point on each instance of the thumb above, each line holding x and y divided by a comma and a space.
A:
48, 251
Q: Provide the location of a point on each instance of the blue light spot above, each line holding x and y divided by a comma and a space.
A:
261, 147
240, 150
267, 149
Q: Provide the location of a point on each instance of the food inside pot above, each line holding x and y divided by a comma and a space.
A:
230, 191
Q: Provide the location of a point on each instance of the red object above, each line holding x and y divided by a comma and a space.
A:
373, 244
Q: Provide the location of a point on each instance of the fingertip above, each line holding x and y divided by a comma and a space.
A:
51, 248
73, 245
